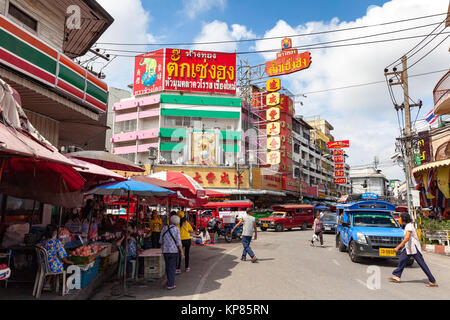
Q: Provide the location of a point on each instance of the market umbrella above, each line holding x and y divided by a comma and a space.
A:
30, 166
215, 194
185, 191
130, 188
182, 179
95, 175
107, 160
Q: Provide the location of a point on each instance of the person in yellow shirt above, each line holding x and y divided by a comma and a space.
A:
155, 229
185, 233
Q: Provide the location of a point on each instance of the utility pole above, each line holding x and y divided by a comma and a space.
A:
406, 135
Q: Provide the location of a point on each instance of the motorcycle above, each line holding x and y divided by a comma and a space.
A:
217, 226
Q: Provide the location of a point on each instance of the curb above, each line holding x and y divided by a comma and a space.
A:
439, 249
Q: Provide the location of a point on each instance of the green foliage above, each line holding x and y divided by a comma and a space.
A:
434, 225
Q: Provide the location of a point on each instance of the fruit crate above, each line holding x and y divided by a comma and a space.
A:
90, 274
154, 267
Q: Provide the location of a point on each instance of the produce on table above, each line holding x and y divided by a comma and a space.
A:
86, 251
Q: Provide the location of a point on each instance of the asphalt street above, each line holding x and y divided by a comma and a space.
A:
289, 268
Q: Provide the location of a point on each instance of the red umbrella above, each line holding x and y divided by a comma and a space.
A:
215, 194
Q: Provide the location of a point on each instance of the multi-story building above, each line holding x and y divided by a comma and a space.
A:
66, 103
63, 101
368, 180
115, 95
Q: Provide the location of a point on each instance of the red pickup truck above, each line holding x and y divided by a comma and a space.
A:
289, 217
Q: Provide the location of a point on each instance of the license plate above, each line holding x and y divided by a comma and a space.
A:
265, 225
327, 228
387, 252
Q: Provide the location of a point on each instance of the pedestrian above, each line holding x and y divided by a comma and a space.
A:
185, 234
318, 231
248, 229
412, 250
171, 247
155, 226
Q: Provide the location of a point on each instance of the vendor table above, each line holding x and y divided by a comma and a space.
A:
154, 266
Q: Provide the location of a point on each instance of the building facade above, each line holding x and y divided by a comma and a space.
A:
63, 101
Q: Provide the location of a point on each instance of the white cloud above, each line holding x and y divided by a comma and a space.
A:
195, 7
219, 31
131, 22
365, 115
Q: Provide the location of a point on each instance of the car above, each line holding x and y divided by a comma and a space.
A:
288, 217
368, 229
329, 221
261, 214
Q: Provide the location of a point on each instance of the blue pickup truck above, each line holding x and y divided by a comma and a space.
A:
368, 229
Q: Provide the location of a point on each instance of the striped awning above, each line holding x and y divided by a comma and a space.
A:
432, 165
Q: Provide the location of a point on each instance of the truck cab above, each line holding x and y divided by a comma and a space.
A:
288, 217
368, 229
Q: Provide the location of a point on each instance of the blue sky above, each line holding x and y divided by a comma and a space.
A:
364, 115
170, 20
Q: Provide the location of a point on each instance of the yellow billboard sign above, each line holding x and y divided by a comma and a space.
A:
273, 143
273, 129
273, 85
273, 114
273, 99
274, 158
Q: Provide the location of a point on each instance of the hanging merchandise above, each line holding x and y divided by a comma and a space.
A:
443, 181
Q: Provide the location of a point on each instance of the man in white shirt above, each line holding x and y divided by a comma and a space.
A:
412, 249
248, 229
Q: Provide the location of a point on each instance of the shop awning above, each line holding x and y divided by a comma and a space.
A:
255, 192
432, 165
107, 160
166, 185
215, 194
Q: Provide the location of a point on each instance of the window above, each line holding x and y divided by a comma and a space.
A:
296, 148
22, 17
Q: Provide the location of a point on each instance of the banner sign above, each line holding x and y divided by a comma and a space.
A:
288, 60
339, 166
340, 180
273, 99
185, 70
273, 85
369, 196
339, 173
338, 152
339, 144
339, 159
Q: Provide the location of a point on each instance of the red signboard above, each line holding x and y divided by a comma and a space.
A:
149, 73
338, 152
339, 144
339, 159
288, 61
340, 181
339, 173
185, 70
339, 166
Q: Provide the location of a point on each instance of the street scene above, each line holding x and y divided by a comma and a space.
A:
221, 150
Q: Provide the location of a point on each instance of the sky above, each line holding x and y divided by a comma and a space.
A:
364, 115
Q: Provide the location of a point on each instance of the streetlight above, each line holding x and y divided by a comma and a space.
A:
153, 155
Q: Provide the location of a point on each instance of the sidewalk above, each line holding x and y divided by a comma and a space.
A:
203, 262
438, 249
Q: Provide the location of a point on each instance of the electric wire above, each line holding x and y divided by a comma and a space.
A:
271, 38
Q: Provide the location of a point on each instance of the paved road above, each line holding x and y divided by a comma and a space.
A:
289, 268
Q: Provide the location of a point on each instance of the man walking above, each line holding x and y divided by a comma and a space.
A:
247, 233
412, 249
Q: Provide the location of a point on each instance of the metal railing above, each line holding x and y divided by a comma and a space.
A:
442, 88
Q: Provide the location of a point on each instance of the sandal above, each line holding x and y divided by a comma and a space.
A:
395, 279
171, 288
432, 285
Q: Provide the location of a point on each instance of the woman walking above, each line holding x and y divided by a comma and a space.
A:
185, 231
171, 246
412, 250
318, 230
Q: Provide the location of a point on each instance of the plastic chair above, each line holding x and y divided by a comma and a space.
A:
44, 271
121, 262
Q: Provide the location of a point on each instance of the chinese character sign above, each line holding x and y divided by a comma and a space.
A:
273, 85
273, 114
273, 99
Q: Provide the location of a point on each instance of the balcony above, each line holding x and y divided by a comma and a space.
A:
441, 95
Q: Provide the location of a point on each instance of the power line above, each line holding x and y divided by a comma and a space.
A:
418, 45
434, 48
367, 84
309, 47
272, 38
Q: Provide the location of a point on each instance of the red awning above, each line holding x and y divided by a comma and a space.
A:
214, 194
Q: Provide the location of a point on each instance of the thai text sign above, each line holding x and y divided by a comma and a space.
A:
338, 152
340, 180
288, 61
339, 144
185, 70
339, 166
339, 173
339, 159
